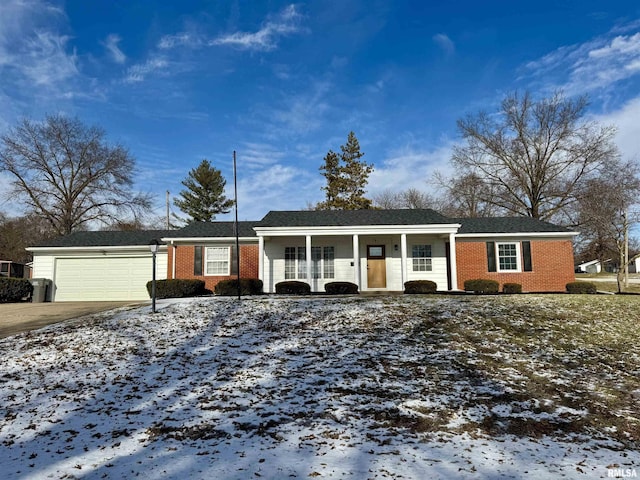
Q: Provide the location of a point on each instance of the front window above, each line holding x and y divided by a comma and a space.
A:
295, 262
421, 258
507, 257
217, 261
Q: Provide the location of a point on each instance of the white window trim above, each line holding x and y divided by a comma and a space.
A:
413, 268
204, 261
321, 265
518, 257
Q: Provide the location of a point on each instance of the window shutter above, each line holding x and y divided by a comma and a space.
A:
234, 260
526, 257
197, 260
491, 256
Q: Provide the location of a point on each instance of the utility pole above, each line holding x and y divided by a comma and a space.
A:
168, 222
235, 188
625, 218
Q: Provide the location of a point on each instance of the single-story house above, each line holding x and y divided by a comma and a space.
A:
378, 250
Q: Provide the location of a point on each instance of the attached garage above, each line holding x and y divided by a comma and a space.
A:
102, 278
96, 266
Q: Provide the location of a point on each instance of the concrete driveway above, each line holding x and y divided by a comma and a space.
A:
22, 317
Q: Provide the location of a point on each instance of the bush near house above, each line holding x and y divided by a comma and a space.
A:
14, 289
248, 286
293, 287
341, 288
420, 286
178, 288
581, 287
511, 288
481, 285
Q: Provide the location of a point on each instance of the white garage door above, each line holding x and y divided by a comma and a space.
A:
102, 278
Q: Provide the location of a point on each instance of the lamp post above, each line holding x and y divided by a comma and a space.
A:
153, 246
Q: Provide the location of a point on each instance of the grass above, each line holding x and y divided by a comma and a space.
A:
536, 365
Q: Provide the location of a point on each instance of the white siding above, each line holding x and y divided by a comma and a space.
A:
438, 273
274, 260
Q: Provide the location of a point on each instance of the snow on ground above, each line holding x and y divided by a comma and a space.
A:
295, 388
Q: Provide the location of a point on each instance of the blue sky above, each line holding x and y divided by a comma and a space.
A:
282, 83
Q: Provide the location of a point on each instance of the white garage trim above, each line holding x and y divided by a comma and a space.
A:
105, 274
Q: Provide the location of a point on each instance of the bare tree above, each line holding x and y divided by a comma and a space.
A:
412, 198
67, 174
534, 154
18, 233
606, 212
466, 196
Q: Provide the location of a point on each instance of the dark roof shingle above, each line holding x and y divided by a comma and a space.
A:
346, 218
214, 229
507, 225
105, 238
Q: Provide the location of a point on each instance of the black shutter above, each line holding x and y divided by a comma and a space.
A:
234, 260
526, 256
197, 260
491, 256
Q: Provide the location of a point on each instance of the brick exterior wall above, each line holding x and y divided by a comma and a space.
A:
552, 262
185, 258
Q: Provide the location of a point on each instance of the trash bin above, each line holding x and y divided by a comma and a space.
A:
41, 290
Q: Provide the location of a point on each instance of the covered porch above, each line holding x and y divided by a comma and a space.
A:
375, 258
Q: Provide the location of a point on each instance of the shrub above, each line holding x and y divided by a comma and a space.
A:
248, 286
177, 288
420, 286
512, 288
341, 288
14, 289
481, 285
581, 287
293, 287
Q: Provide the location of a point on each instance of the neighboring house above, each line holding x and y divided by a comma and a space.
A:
13, 269
594, 266
378, 250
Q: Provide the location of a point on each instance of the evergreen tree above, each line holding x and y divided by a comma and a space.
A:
347, 177
204, 197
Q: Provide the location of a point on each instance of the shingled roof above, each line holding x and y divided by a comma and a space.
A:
106, 238
507, 225
346, 218
214, 229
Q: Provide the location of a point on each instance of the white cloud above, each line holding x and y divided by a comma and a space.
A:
590, 66
111, 44
628, 128
32, 48
409, 167
180, 39
283, 24
137, 73
445, 43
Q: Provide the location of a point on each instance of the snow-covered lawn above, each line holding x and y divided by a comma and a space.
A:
385, 387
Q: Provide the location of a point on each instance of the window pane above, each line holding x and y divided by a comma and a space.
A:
421, 258
508, 256
217, 261
289, 263
302, 262
329, 268
316, 256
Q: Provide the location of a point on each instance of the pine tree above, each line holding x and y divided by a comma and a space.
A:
204, 197
347, 177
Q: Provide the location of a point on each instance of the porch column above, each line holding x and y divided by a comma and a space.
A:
261, 258
403, 255
308, 249
453, 262
356, 261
